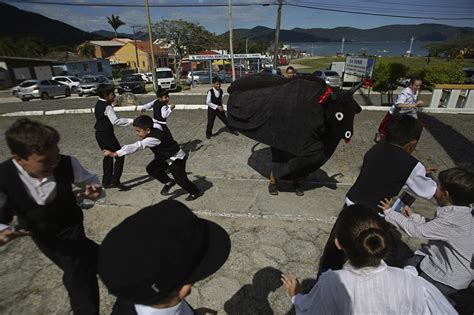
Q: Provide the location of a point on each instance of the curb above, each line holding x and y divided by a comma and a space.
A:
200, 106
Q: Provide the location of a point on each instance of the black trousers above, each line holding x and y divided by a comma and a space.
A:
77, 257
112, 171
211, 117
334, 259
157, 168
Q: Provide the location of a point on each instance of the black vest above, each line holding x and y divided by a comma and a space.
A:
157, 106
384, 172
167, 148
102, 123
42, 221
216, 100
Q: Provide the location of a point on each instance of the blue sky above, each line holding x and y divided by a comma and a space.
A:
215, 19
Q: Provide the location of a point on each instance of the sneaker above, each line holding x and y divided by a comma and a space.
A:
192, 197
167, 187
272, 189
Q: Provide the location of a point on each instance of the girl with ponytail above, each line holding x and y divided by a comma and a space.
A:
366, 285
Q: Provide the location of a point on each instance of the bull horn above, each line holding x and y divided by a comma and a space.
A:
356, 87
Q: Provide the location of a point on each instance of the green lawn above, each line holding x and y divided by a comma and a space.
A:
413, 62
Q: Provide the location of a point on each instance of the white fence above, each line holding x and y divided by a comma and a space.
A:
453, 96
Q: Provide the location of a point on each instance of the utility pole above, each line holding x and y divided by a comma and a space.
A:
277, 35
150, 36
136, 49
246, 52
231, 38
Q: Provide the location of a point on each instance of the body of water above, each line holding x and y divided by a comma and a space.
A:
371, 48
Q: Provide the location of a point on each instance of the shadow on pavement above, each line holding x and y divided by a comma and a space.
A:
457, 146
261, 161
253, 298
137, 181
191, 146
201, 182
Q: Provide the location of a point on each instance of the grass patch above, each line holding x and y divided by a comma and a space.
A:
413, 62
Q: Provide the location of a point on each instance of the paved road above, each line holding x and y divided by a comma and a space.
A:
270, 234
11, 104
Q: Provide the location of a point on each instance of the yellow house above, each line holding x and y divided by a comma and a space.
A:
128, 54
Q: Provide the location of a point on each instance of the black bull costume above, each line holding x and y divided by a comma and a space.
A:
301, 116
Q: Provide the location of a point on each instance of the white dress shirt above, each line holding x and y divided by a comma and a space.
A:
148, 142
165, 110
208, 99
449, 254
420, 184
372, 290
114, 120
43, 191
181, 309
405, 97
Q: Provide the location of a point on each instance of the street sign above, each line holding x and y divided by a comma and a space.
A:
360, 66
225, 56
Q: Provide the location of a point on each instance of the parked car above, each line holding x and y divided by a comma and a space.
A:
165, 78
132, 83
43, 89
14, 90
89, 84
331, 78
149, 77
71, 81
194, 77
144, 77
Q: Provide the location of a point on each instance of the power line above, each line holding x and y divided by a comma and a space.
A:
136, 5
377, 9
380, 14
195, 5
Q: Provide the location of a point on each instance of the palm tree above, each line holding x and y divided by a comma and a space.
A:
115, 22
86, 50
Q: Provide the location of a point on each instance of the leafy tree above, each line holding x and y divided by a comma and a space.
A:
86, 50
185, 38
386, 78
442, 74
452, 47
8, 47
115, 22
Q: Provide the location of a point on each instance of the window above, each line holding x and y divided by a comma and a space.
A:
44, 82
74, 67
143, 63
99, 67
85, 66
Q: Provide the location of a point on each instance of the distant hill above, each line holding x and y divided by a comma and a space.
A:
110, 34
421, 32
17, 24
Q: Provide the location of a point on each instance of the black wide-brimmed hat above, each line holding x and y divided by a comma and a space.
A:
159, 249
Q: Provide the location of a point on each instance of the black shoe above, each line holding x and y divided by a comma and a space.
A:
272, 189
298, 189
108, 185
167, 187
208, 137
235, 132
192, 197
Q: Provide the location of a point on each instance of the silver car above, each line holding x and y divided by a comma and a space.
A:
43, 89
89, 84
331, 77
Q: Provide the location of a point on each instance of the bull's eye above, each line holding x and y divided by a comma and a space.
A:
348, 134
339, 116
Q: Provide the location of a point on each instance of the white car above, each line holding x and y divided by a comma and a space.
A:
194, 77
44, 89
165, 79
144, 76
71, 81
